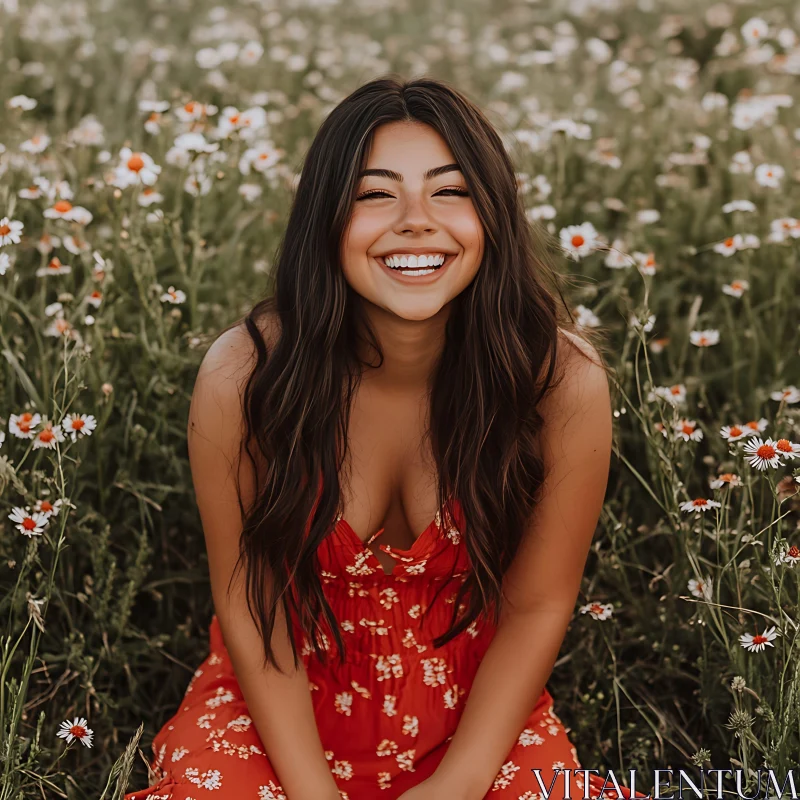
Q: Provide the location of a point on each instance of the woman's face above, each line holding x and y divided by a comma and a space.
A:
400, 213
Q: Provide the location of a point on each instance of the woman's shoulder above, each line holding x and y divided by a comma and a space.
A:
580, 373
574, 349
232, 356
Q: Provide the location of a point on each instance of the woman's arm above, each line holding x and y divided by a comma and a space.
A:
279, 705
540, 587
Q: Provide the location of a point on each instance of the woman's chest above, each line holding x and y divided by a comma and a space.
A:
389, 480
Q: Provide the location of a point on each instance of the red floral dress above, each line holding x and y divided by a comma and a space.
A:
385, 717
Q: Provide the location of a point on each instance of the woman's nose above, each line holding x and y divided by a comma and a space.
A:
415, 216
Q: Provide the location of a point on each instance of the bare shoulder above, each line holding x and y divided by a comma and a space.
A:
225, 368
582, 382
232, 354
585, 350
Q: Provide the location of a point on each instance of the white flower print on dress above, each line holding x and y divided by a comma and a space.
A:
406, 760
211, 779
435, 671
178, 753
386, 748
271, 791
505, 776
221, 696
529, 737
343, 703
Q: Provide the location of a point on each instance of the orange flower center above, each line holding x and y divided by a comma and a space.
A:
784, 445
46, 435
766, 451
729, 241
759, 639
28, 524
78, 731
794, 551
55, 263
701, 501
5, 230
46, 505
77, 424
687, 428
577, 240
62, 206
135, 163
736, 430
234, 118
752, 424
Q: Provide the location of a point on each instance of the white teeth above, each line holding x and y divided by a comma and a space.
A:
415, 262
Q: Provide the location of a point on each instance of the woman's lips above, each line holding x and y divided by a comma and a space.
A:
429, 277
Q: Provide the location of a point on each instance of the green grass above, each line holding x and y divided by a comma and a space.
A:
105, 614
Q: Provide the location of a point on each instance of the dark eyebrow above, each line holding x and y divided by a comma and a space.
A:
396, 176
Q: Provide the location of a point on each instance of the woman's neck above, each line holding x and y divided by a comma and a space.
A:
411, 349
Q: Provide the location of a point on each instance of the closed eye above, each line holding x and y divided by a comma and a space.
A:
381, 193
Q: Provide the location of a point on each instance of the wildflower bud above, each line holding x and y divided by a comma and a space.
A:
740, 721
117, 194
107, 388
738, 683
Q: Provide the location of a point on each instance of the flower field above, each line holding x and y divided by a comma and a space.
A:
148, 156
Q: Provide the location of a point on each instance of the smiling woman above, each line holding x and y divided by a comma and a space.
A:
413, 667
420, 214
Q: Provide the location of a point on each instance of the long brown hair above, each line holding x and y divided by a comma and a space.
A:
498, 361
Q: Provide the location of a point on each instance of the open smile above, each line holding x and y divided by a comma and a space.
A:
416, 274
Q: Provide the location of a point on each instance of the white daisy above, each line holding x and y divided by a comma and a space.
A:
173, 295
48, 437
22, 425
699, 504
10, 231
598, 610
579, 241
704, 338
30, 523
135, 168
789, 394
76, 730
75, 424
762, 453
759, 641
